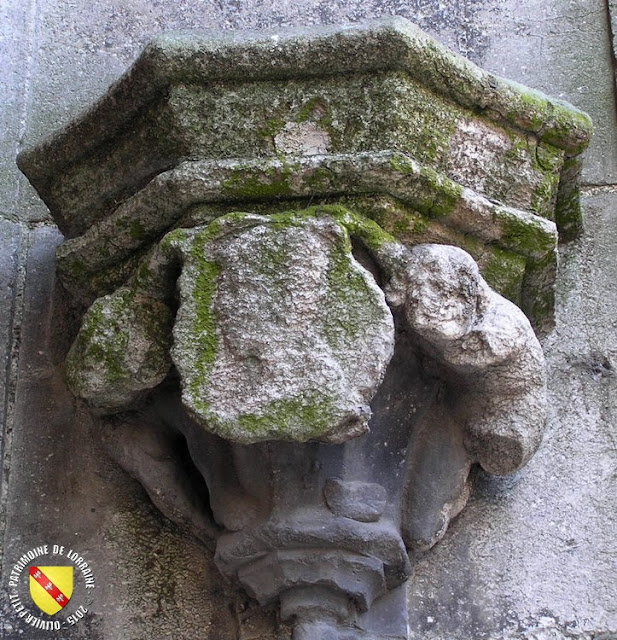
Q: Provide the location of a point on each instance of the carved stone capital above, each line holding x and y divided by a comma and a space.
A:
309, 264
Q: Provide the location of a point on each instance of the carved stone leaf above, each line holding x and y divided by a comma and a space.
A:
280, 334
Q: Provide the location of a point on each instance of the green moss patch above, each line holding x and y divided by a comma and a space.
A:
121, 349
303, 418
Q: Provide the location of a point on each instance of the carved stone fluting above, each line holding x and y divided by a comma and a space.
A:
287, 250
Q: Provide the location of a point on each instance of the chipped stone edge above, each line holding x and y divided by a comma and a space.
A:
162, 202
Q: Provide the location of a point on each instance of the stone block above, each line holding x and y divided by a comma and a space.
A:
10, 244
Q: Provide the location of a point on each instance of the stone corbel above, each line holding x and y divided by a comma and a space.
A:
309, 265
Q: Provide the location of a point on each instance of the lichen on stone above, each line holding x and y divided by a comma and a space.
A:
526, 236
245, 184
121, 349
504, 272
280, 333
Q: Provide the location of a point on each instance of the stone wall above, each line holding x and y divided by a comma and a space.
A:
532, 557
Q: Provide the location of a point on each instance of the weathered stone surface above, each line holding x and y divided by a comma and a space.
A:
377, 539
121, 349
482, 146
164, 200
280, 333
561, 34
360, 578
508, 564
63, 489
274, 310
360, 501
552, 524
488, 344
153, 454
10, 242
419, 111
515, 248
436, 484
15, 51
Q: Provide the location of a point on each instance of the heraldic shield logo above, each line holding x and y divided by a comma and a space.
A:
51, 588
